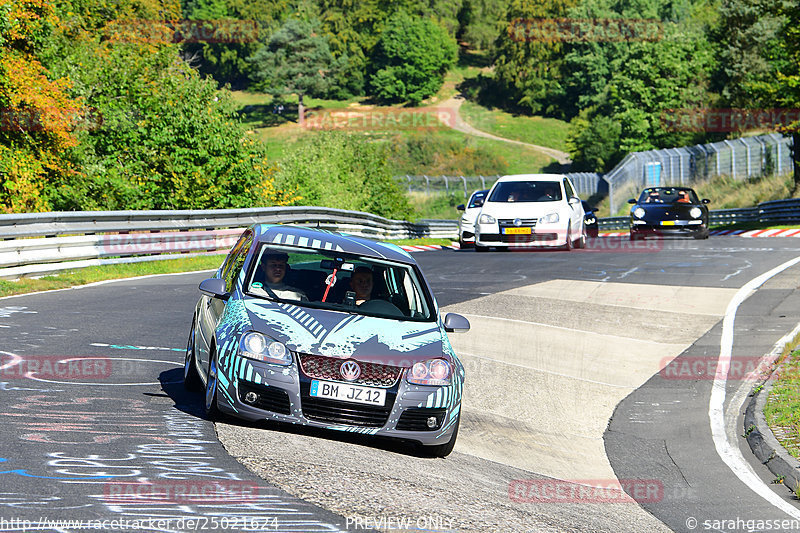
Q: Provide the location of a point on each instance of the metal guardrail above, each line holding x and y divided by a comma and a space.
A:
41, 243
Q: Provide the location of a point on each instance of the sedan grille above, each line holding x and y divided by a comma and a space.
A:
327, 368
509, 222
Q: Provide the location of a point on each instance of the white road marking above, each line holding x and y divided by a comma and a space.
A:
728, 452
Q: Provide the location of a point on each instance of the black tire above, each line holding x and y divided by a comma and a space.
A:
191, 378
580, 244
465, 245
210, 403
636, 237
700, 236
568, 245
481, 248
443, 450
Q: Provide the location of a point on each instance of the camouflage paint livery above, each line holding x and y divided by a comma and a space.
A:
337, 336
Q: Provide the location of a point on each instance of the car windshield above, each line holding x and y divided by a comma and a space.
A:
668, 195
477, 199
334, 280
526, 191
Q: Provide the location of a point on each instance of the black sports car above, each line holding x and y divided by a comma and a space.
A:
669, 211
590, 220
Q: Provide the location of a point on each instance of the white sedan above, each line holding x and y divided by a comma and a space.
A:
531, 210
466, 224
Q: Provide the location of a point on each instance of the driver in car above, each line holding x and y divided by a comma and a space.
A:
274, 266
361, 282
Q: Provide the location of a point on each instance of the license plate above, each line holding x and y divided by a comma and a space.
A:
517, 231
348, 393
674, 222
668, 223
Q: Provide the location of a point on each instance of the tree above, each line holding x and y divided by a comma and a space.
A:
295, 60
411, 59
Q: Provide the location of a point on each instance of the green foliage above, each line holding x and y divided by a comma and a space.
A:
411, 59
345, 172
434, 154
296, 60
481, 22
594, 143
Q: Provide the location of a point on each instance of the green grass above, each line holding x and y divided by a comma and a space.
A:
438, 205
72, 278
83, 276
782, 409
548, 132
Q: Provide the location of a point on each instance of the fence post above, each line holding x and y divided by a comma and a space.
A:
748, 157
446, 185
464, 181
427, 184
733, 157
408, 180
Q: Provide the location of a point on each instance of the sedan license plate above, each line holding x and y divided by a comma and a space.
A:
517, 231
347, 393
668, 223
674, 222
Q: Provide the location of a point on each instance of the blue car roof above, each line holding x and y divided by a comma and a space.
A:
316, 239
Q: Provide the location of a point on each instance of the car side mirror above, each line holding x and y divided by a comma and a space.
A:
460, 207
706, 201
632, 201
453, 322
214, 287
595, 209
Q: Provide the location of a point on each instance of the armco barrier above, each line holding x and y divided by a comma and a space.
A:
41, 243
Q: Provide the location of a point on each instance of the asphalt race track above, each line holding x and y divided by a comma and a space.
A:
575, 379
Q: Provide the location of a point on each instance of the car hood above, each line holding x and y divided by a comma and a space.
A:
521, 209
668, 211
347, 336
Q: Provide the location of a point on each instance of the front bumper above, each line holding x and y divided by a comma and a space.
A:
657, 228
283, 396
541, 236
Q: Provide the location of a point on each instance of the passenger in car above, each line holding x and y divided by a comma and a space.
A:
275, 266
361, 282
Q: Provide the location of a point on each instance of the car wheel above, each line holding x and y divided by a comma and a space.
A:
568, 244
191, 379
464, 245
699, 236
210, 405
581, 243
443, 450
636, 237
481, 248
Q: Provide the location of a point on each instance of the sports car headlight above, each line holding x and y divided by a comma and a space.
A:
430, 372
256, 346
695, 212
552, 218
638, 212
487, 219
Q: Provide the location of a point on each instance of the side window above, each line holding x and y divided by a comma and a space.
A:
236, 261
568, 188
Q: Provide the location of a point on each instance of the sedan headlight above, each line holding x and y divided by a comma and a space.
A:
256, 346
695, 212
552, 218
431, 372
638, 212
487, 219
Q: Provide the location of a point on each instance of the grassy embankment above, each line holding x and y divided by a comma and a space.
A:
73, 278
782, 409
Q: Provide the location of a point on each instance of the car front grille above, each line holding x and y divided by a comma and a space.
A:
327, 368
351, 414
524, 222
269, 398
528, 238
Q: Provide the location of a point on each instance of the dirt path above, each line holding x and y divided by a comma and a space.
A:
459, 124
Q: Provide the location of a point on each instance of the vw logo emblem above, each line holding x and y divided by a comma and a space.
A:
350, 370
517, 222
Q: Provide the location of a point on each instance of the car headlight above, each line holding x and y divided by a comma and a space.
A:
591, 220
430, 372
695, 212
552, 218
638, 212
256, 346
487, 219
